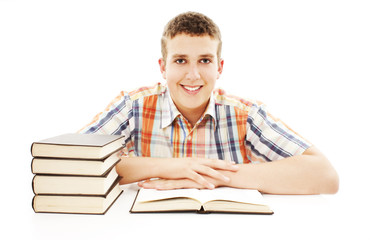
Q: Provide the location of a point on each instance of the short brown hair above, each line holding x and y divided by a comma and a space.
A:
193, 24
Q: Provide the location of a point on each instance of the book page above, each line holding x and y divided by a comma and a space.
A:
231, 194
146, 195
204, 195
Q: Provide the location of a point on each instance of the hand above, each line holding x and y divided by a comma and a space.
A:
169, 184
196, 170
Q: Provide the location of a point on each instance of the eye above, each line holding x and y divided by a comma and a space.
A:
180, 61
205, 60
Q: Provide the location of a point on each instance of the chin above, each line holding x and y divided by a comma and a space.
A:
195, 105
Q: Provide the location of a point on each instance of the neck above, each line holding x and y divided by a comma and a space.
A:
193, 115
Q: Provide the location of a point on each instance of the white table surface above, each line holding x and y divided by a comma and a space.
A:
295, 217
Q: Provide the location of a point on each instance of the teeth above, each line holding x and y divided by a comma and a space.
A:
191, 88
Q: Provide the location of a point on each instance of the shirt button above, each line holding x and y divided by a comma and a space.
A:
189, 137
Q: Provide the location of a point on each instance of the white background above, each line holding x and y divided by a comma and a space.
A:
62, 62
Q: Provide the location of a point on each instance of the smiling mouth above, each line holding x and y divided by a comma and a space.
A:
191, 89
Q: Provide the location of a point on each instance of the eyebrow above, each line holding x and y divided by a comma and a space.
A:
179, 56
208, 55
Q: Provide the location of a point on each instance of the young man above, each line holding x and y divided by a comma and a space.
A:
186, 134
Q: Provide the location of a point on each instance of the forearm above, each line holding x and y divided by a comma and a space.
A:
309, 173
134, 169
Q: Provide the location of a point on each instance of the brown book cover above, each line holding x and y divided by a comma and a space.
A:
75, 145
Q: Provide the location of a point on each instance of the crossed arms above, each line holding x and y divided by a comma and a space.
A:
309, 173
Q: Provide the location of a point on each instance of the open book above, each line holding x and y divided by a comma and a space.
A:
224, 199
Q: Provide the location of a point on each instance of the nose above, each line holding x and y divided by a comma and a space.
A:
193, 72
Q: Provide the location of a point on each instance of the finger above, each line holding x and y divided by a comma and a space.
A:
169, 184
200, 179
178, 184
220, 164
150, 184
210, 172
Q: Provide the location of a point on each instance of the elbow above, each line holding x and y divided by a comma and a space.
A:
326, 175
329, 183
332, 183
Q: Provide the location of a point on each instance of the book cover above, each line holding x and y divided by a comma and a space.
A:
74, 145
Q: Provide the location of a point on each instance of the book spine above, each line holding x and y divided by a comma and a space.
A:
32, 165
32, 149
33, 185
33, 204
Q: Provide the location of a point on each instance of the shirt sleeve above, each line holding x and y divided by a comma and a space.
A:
116, 119
269, 139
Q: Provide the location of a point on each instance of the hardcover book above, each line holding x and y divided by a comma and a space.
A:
74, 185
224, 199
82, 204
74, 166
74, 145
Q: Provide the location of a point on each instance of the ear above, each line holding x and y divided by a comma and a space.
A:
220, 68
162, 67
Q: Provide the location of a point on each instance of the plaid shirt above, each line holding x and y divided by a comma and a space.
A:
231, 128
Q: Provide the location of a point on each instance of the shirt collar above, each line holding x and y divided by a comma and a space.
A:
170, 111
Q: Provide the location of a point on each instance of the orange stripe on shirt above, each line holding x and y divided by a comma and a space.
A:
241, 120
149, 109
176, 139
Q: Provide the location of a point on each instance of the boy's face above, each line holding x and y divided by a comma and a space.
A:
191, 70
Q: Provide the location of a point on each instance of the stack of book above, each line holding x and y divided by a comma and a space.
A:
75, 173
